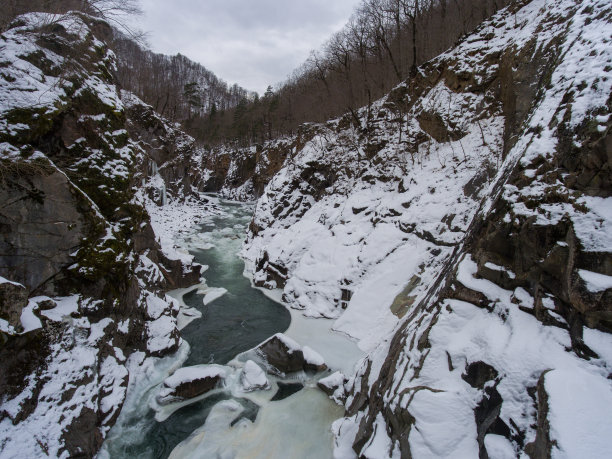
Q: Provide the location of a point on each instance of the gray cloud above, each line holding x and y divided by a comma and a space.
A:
250, 42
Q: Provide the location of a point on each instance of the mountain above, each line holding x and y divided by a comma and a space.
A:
175, 86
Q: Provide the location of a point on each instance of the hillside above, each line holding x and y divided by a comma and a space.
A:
174, 86
82, 275
460, 231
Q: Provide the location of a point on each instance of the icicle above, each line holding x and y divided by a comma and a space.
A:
164, 196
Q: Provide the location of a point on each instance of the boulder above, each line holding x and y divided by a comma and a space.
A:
288, 356
190, 382
253, 377
333, 385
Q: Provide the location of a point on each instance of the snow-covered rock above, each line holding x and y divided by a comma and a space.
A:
286, 355
333, 385
190, 382
253, 377
478, 364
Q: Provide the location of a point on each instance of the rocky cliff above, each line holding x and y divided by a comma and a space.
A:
459, 229
83, 277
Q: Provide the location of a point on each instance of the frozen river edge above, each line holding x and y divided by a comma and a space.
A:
297, 423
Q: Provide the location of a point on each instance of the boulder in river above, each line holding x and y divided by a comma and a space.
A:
253, 377
288, 356
190, 382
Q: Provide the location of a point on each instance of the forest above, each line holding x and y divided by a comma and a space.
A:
381, 45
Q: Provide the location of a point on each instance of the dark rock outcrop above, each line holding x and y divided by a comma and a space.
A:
189, 382
286, 356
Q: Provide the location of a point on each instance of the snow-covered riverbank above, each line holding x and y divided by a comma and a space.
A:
228, 419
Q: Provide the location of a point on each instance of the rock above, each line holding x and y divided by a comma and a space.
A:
287, 356
253, 377
314, 360
478, 374
190, 382
41, 225
333, 385
13, 298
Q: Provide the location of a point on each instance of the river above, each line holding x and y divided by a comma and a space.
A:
238, 318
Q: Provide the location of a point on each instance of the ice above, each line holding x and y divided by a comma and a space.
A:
144, 375
186, 314
273, 434
339, 351
213, 293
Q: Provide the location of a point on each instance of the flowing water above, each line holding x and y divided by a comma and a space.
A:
294, 415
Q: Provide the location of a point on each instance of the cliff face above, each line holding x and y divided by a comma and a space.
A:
82, 276
459, 229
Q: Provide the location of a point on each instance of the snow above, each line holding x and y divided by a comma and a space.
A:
312, 357
344, 433
499, 447
156, 307
371, 237
290, 343
97, 330
66, 306
3, 280
5, 327
71, 370
253, 377
579, 413
29, 321
595, 282
187, 374
495, 267
379, 446
336, 379
161, 334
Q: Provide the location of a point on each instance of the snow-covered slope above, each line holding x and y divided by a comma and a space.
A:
460, 231
83, 277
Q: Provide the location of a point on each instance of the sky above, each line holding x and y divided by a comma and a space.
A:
254, 43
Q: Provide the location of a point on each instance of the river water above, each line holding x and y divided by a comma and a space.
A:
293, 425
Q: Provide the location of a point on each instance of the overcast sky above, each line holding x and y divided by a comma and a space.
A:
250, 42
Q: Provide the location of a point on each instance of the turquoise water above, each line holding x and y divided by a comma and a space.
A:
233, 323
